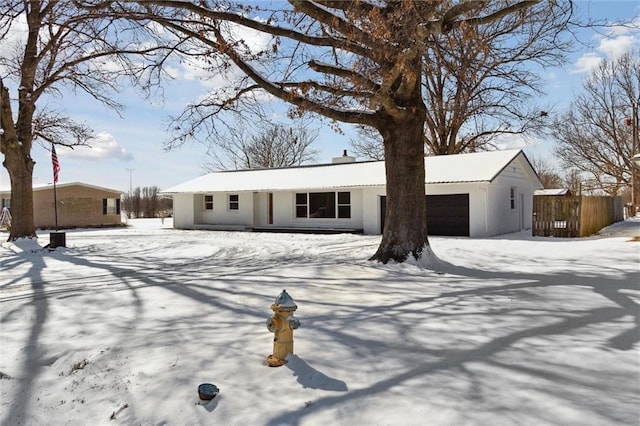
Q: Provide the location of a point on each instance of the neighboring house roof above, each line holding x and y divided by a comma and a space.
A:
555, 191
475, 167
42, 187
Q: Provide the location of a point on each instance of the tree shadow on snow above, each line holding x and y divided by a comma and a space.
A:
35, 354
488, 302
480, 296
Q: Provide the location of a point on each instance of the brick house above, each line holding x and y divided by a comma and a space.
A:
79, 205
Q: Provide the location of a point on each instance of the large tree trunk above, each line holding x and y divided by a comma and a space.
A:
18, 162
20, 168
405, 224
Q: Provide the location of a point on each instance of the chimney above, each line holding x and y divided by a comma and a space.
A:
344, 159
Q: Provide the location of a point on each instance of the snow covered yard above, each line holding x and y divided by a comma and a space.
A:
122, 325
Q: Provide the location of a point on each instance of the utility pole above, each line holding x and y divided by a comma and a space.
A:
1, 126
129, 202
130, 180
634, 150
634, 169
1, 123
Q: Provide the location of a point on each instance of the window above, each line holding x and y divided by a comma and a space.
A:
208, 202
323, 205
512, 198
111, 206
344, 205
301, 205
234, 201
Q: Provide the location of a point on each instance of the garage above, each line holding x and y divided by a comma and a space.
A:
446, 214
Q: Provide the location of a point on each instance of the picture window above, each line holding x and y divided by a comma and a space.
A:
323, 205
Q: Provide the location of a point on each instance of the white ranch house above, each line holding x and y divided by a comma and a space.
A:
476, 195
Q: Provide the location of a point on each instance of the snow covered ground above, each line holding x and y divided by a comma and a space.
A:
122, 326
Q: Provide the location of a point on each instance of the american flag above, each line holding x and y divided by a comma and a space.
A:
56, 164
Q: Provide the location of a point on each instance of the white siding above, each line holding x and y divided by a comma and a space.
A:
371, 221
260, 208
504, 218
189, 210
283, 209
183, 212
198, 208
222, 215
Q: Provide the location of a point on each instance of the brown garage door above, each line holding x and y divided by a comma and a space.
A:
446, 214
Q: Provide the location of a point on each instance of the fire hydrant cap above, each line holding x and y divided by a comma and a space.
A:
286, 302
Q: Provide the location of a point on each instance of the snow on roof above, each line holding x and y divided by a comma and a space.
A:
475, 167
554, 191
43, 186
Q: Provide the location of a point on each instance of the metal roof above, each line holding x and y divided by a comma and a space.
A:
474, 167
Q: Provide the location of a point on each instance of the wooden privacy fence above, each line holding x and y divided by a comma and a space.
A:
578, 216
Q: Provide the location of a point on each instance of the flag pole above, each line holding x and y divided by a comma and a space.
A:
55, 203
56, 170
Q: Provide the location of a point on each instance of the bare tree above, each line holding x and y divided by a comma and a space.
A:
150, 201
547, 172
60, 45
629, 82
275, 145
574, 181
596, 134
132, 203
352, 62
146, 202
368, 144
480, 81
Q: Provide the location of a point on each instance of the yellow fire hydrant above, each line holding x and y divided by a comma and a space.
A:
282, 323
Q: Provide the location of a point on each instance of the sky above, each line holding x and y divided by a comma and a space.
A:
122, 325
129, 149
